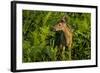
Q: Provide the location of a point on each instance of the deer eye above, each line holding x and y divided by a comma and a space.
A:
60, 24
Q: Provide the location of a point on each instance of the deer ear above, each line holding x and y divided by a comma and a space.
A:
64, 19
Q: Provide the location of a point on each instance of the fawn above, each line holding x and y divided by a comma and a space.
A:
64, 38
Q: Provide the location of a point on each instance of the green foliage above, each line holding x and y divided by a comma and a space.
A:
38, 39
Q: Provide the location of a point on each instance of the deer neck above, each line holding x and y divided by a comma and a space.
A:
66, 34
66, 30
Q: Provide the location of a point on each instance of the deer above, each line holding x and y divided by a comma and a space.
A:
64, 36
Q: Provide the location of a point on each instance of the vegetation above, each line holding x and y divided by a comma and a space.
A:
38, 39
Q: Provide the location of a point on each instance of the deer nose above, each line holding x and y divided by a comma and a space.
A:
52, 29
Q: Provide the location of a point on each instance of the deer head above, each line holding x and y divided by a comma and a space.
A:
61, 25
